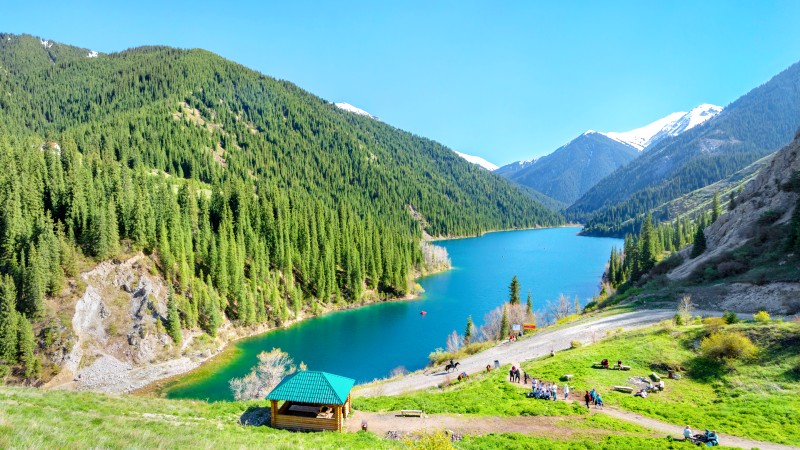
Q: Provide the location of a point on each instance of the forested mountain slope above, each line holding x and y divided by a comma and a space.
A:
572, 169
753, 126
255, 198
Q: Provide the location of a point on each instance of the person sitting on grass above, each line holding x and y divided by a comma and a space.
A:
641, 393
711, 438
687, 433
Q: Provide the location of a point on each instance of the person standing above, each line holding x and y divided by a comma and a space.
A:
598, 401
566, 391
588, 398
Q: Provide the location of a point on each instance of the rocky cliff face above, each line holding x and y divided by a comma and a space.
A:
761, 196
760, 212
118, 342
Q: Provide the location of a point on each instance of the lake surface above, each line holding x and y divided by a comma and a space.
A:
370, 342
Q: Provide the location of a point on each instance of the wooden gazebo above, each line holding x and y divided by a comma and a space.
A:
312, 401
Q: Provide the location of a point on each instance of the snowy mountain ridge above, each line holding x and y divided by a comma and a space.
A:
478, 160
348, 107
671, 125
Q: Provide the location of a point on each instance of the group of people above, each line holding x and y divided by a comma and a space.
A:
593, 398
546, 391
514, 375
604, 363
709, 437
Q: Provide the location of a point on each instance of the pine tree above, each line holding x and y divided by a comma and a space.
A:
35, 285
504, 328
173, 318
699, 242
8, 320
648, 246
529, 304
513, 291
731, 201
26, 343
716, 210
468, 331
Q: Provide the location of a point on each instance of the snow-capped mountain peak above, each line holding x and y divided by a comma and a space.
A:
640, 138
354, 110
671, 125
478, 160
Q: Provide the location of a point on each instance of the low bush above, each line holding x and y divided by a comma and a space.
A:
674, 260
714, 324
730, 317
576, 344
761, 317
730, 268
769, 217
728, 346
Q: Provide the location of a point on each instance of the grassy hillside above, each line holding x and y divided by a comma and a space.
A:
754, 398
749, 397
48, 419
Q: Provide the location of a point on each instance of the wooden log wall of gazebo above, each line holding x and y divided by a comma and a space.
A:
312, 401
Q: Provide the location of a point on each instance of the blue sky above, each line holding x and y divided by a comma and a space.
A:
502, 80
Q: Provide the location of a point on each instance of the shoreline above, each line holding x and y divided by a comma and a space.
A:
455, 238
157, 387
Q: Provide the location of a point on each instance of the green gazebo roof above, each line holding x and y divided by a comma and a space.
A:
311, 386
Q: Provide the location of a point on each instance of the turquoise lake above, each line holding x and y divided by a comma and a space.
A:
370, 342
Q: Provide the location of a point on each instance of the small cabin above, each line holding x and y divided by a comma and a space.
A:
311, 401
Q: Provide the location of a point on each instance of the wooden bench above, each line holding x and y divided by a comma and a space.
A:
411, 413
627, 389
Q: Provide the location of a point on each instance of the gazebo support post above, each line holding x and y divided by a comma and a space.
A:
339, 417
273, 411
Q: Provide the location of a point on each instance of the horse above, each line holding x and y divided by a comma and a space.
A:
449, 366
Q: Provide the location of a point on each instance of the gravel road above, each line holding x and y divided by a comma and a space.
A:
556, 339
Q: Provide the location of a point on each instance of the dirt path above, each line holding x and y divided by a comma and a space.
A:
541, 426
677, 430
556, 339
548, 427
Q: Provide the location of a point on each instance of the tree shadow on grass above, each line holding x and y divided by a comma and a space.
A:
706, 370
256, 416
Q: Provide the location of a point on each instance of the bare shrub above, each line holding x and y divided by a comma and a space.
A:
398, 371
435, 256
454, 342
685, 308
517, 314
272, 367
